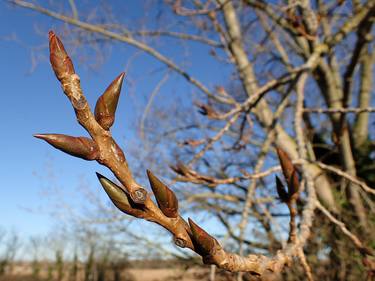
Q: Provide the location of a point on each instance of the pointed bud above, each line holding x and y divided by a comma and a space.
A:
165, 197
107, 103
283, 195
114, 192
81, 147
204, 243
290, 172
61, 63
207, 110
119, 197
286, 164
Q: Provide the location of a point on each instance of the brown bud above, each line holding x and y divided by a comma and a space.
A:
290, 172
207, 110
61, 63
81, 147
286, 163
119, 197
107, 103
204, 243
165, 197
193, 143
283, 195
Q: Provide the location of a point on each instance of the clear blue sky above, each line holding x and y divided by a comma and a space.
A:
32, 102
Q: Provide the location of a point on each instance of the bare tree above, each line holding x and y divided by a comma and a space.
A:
9, 246
36, 246
300, 80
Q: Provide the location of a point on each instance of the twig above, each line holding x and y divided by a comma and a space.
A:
214, 139
178, 35
347, 176
74, 8
357, 243
149, 103
305, 265
123, 38
355, 110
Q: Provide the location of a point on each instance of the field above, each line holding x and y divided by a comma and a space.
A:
147, 272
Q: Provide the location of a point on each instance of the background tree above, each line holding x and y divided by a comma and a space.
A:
9, 246
298, 76
36, 246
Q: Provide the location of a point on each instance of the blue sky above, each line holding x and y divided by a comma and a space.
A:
35, 177
32, 103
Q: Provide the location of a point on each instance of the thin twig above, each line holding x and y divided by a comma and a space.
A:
214, 139
355, 110
149, 103
347, 176
123, 38
178, 35
305, 265
356, 241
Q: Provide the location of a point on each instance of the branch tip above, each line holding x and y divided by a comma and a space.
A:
61, 63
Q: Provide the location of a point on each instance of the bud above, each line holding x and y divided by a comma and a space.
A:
283, 195
81, 147
61, 63
165, 197
107, 103
207, 110
286, 163
289, 171
119, 197
204, 243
